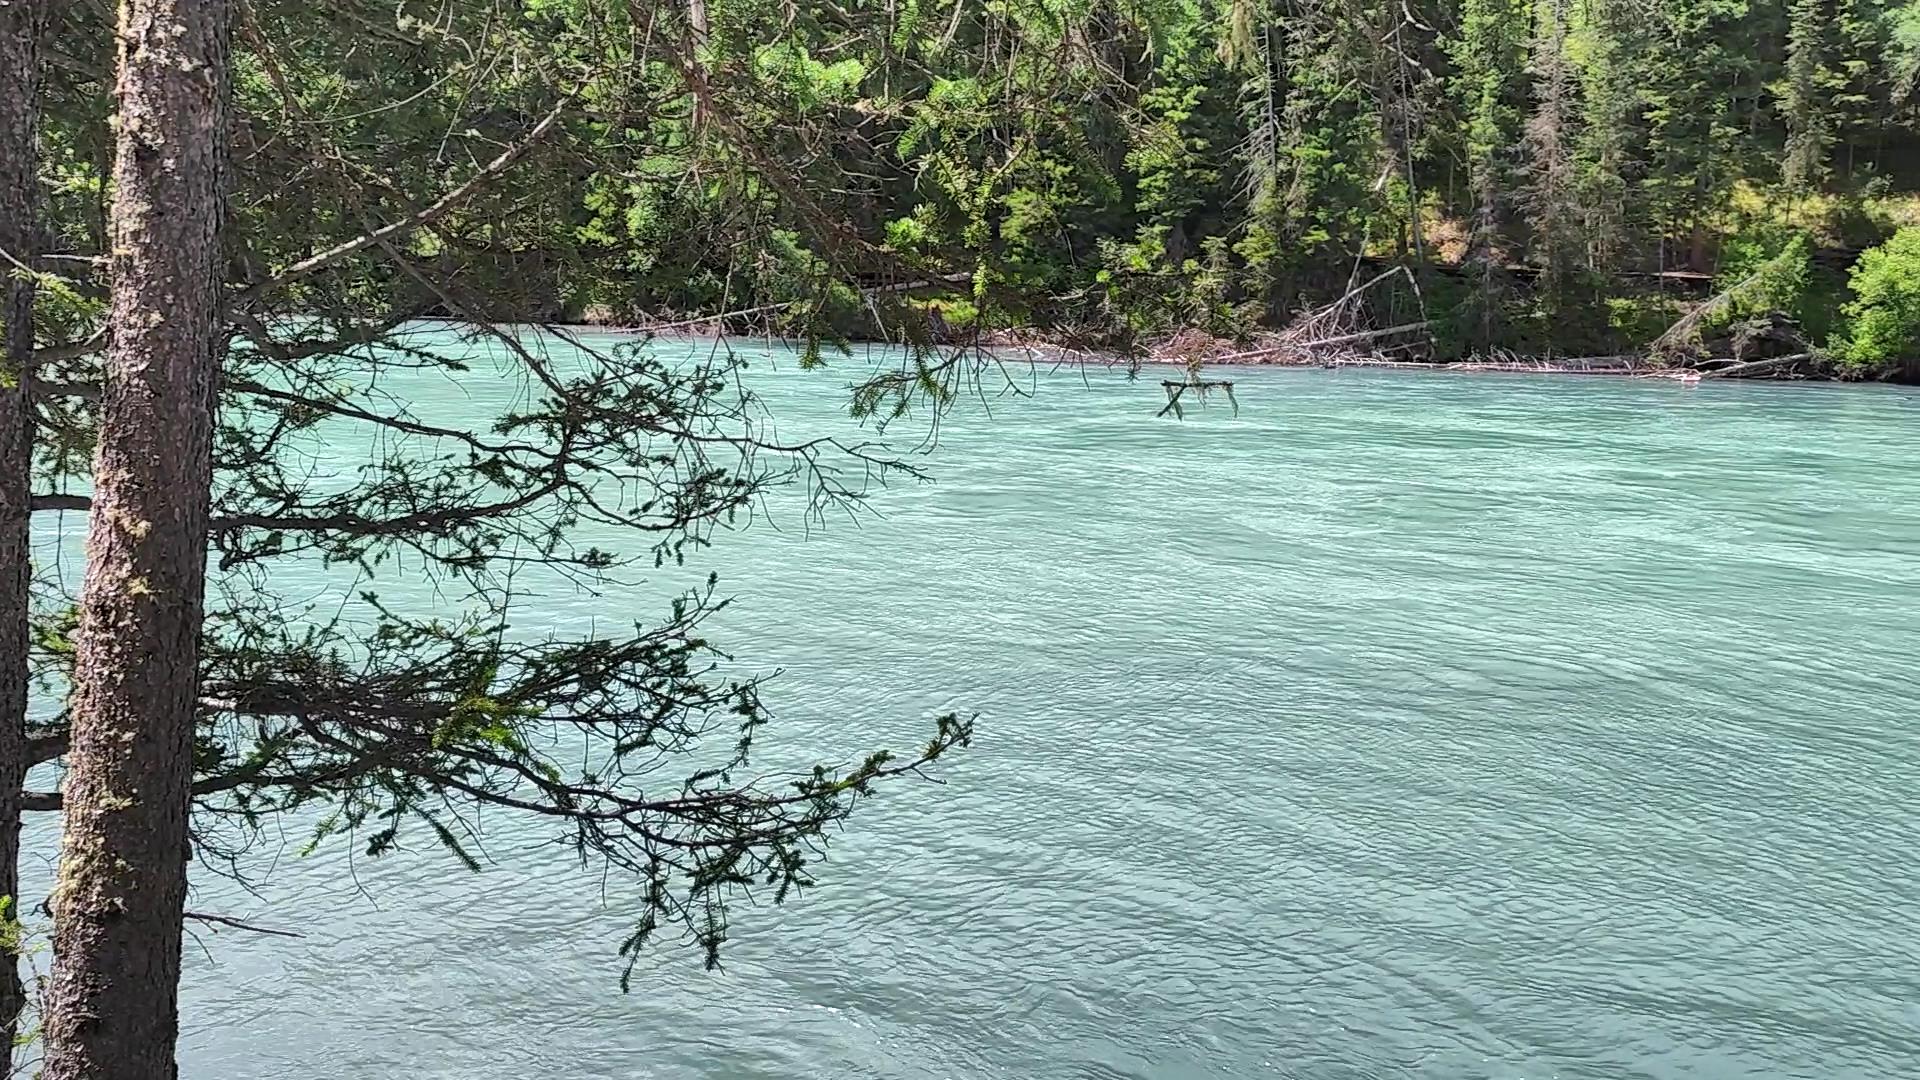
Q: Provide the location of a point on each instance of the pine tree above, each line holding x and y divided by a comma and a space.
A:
1488, 51
1548, 195
434, 711
112, 1003
1609, 136
1803, 104
1690, 65
1862, 77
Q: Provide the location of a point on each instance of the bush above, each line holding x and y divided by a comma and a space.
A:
1885, 335
1774, 262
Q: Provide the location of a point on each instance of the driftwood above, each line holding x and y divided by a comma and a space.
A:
1599, 365
1364, 362
1540, 367
1321, 343
1575, 365
1335, 325
1338, 306
1756, 367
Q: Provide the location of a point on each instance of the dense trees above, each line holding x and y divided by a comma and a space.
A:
1566, 174
1097, 168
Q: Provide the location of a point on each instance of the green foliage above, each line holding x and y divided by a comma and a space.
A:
1769, 266
1038, 144
1634, 319
1488, 52
1902, 27
12, 933
1808, 82
1884, 336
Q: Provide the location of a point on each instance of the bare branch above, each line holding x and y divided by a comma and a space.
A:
222, 920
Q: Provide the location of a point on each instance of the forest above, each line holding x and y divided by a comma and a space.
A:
1559, 177
224, 219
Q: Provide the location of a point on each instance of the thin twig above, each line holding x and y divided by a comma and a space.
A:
222, 920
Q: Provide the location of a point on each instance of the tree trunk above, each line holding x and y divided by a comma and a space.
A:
20, 27
697, 42
112, 1003
697, 22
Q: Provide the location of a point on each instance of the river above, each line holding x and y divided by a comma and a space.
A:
1398, 725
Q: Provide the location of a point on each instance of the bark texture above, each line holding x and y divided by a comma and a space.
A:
112, 1002
21, 24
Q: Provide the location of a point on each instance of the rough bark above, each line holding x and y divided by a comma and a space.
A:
112, 1002
21, 23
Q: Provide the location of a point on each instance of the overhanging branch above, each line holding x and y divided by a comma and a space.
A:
423, 216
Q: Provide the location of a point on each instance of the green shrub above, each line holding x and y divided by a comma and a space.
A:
1771, 265
1640, 317
1885, 312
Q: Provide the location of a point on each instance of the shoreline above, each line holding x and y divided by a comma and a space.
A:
1613, 367
1803, 367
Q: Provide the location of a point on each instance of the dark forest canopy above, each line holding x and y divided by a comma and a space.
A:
1564, 175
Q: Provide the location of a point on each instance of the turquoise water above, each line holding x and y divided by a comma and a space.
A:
1400, 725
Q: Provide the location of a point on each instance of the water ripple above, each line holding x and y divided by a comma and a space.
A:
1399, 726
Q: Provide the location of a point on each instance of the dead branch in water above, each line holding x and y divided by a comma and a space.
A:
1175, 390
223, 920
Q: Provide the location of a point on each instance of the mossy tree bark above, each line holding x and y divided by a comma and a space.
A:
21, 25
112, 1004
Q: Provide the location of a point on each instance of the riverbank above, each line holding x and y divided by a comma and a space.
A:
1770, 347
1796, 367
1805, 366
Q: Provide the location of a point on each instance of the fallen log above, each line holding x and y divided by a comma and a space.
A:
1362, 362
1544, 367
1754, 367
1302, 346
1587, 365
